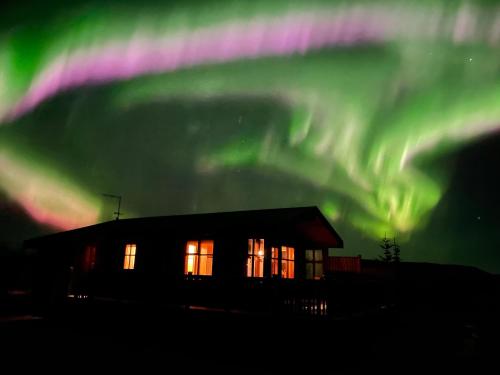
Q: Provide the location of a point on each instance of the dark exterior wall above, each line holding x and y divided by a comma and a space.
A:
159, 271
230, 259
159, 266
300, 263
152, 272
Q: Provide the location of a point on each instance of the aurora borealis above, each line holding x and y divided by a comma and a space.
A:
363, 108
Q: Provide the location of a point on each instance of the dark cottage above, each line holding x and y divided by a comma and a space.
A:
259, 260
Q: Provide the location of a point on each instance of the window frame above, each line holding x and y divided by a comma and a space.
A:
288, 261
277, 261
197, 258
314, 262
253, 256
130, 256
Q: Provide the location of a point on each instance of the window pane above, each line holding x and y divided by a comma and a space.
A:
205, 265
318, 270
259, 246
274, 252
189, 267
287, 252
129, 262
210, 263
132, 249
249, 266
192, 247
258, 266
274, 266
191, 259
284, 252
207, 247
287, 269
318, 255
284, 269
309, 271
250, 246
309, 255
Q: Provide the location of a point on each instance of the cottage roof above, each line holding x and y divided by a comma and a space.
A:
305, 225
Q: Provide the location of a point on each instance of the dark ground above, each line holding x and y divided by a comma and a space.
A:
161, 340
444, 321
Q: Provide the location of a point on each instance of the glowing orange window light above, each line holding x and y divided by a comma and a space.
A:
291, 263
255, 258
250, 258
259, 258
250, 246
190, 258
199, 257
274, 261
206, 257
129, 259
287, 262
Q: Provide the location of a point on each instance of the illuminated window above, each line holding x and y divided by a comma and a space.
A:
199, 257
287, 262
89, 258
129, 260
255, 259
314, 264
275, 261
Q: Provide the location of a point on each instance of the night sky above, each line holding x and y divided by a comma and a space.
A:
385, 114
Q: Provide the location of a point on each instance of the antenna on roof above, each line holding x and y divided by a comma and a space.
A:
119, 197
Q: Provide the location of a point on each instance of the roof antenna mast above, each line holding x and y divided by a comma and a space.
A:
119, 197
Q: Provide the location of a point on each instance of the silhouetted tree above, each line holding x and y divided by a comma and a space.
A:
386, 246
396, 252
392, 250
